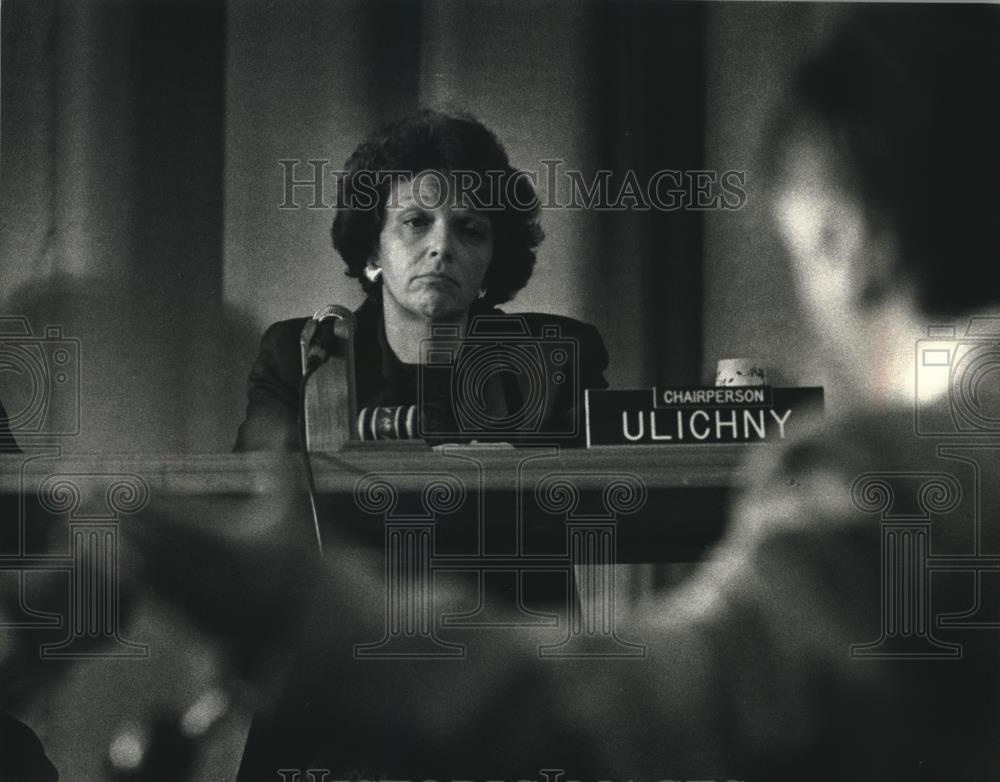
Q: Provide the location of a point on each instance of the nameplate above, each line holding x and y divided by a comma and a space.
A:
685, 416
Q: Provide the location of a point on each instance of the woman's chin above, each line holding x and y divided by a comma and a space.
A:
440, 308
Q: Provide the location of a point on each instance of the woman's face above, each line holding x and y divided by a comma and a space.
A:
434, 253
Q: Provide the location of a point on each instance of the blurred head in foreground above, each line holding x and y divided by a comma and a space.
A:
887, 185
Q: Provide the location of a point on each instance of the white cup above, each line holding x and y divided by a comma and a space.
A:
740, 372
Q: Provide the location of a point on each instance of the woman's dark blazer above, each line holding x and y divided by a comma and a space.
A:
271, 421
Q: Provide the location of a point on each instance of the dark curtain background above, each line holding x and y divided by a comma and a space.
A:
111, 196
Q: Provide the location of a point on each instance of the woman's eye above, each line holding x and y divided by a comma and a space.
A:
417, 221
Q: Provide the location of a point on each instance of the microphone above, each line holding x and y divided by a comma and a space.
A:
324, 337
326, 412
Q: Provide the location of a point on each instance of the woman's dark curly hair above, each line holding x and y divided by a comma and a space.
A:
429, 140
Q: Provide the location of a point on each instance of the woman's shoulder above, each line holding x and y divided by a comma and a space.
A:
279, 356
284, 331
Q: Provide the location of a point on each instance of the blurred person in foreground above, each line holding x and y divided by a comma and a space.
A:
779, 659
439, 229
886, 194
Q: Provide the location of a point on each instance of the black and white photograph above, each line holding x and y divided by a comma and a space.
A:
499, 391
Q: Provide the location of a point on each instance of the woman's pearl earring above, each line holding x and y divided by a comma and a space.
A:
373, 273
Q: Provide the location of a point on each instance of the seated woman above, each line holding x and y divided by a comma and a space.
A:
439, 229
